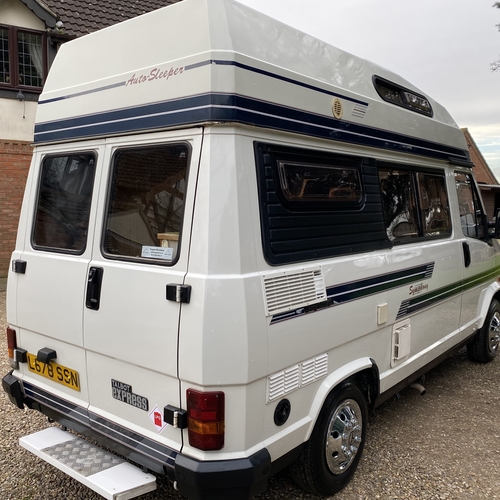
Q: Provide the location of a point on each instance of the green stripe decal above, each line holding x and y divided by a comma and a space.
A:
432, 298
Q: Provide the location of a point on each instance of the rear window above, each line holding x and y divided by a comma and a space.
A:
63, 204
146, 203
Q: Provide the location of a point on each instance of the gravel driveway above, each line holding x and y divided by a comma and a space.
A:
443, 445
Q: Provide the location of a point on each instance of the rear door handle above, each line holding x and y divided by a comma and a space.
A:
94, 282
467, 257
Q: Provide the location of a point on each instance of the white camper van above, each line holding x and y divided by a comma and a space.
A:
235, 240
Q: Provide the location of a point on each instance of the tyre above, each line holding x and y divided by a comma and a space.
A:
484, 345
331, 455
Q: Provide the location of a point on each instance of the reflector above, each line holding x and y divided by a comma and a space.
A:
11, 342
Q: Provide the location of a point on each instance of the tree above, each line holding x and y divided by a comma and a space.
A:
495, 66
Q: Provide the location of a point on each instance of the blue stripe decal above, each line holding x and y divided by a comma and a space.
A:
284, 79
236, 109
220, 63
355, 290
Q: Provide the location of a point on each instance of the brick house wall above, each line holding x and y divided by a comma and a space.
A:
15, 158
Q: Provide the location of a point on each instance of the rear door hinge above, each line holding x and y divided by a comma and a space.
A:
175, 417
19, 266
179, 293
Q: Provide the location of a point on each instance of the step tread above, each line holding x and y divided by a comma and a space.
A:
102, 471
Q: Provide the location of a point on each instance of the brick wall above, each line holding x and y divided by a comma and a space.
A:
15, 158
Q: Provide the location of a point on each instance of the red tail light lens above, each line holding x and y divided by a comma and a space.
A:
11, 341
205, 419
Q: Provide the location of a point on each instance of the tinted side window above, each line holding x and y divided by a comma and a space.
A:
63, 205
469, 205
400, 207
319, 183
146, 203
434, 206
315, 204
415, 204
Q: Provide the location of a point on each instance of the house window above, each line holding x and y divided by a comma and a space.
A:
23, 58
4, 56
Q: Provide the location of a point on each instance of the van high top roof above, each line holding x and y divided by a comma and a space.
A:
218, 61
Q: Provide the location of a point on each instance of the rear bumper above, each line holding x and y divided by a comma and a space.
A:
197, 480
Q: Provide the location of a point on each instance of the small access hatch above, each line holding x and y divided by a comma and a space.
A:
101, 471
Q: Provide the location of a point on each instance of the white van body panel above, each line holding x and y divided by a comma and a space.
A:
202, 270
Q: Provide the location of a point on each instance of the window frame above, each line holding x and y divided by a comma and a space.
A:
296, 232
13, 32
109, 196
319, 200
402, 93
481, 222
318, 160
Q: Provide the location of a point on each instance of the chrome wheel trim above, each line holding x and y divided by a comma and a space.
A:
494, 333
344, 436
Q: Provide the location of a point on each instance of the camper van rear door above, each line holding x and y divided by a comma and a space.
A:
141, 246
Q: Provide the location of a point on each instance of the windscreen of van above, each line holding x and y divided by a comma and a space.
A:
63, 204
146, 203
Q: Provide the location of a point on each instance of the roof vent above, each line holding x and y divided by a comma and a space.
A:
337, 108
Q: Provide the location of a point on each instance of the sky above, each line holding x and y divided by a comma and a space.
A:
443, 47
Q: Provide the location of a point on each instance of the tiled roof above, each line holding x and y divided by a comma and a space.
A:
80, 17
482, 171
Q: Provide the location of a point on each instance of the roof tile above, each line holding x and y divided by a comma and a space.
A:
80, 17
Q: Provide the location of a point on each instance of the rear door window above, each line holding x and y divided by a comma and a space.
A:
63, 203
146, 203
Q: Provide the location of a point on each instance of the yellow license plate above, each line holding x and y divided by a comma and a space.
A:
58, 373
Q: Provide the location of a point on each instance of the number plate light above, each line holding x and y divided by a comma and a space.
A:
205, 419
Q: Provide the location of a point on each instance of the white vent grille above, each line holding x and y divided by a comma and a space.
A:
282, 383
314, 369
288, 291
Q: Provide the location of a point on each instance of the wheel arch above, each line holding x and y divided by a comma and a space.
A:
487, 295
364, 372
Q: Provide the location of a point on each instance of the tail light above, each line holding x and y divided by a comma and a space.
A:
11, 342
205, 419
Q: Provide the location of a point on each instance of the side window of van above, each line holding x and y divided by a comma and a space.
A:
146, 203
317, 204
319, 183
399, 203
63, 204
415, 205
469, 205
434, 206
